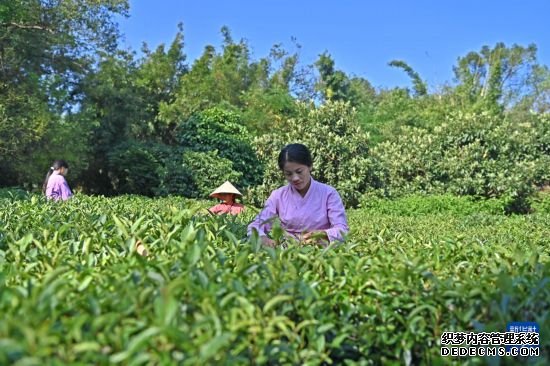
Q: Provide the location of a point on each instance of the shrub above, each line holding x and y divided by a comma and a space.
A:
418, 204
158, 170
134, 167
337, 143
218, 129
206, 170
471, 154
541, 201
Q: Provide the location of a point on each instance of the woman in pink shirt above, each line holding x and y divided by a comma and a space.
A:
55, 186
308, 210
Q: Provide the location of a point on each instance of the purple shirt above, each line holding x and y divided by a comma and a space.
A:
58, 188
320, 209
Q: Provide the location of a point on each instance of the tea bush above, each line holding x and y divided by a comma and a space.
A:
73, 290
414, 205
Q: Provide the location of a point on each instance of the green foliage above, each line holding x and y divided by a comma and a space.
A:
262, 90
155, 169
266, 109
74, 290
419, 86
477, 155
339, 149
65, 140
111, 113
388, 112
415, 205
51, 41
207, 170
496, 77
213, 79
134, 168
32, 140
14, 193
157, 79
24, 120
333, 84
221, 130
541, 201
46, 49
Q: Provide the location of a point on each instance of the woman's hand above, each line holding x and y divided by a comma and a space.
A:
316, 237
268, 242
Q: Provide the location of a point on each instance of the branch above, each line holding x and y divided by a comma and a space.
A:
25, 26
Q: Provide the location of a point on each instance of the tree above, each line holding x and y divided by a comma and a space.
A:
538, 100
482, 155
496, 78
333, 84
46, 49
213, 79
262, 90
158, 78
114, 109
53, 43
419, 86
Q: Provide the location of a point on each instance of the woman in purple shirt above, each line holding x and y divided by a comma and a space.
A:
55, 186
309, 211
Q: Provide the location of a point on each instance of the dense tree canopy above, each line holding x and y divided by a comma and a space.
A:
46, 49
153, 123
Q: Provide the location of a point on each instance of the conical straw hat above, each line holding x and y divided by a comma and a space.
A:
225, 188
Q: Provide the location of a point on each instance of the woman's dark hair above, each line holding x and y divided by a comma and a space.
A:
58, 164
295, 153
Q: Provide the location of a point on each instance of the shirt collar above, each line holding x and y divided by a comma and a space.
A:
295, 191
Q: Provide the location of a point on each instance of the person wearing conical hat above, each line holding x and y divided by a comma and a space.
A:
227, 193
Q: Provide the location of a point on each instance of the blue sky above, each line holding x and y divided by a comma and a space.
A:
362, 36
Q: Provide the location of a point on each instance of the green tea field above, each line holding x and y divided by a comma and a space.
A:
74, 291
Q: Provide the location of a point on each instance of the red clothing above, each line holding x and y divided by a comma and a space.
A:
224, 208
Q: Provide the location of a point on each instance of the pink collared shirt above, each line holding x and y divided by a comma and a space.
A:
57, 188
320, 209
224, 208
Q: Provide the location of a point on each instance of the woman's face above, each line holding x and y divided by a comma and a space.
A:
227, 197
299, 175
63, 171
